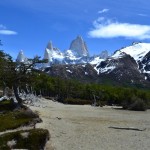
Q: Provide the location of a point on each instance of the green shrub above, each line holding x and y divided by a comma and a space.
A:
135, 103
101, 103
35, 140
138, 105
7, 105
12, 120
77, 101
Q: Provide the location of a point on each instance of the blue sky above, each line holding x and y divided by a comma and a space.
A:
104, 25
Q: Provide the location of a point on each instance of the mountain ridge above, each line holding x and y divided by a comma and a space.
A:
129, 65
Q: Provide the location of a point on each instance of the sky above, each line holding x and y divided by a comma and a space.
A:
29, 25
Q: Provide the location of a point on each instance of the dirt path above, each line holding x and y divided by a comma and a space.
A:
87, 127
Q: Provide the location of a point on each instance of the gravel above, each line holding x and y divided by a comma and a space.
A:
85, 127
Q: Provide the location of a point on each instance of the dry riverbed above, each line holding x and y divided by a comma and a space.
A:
75, 127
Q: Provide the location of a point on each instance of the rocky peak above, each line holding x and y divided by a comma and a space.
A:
104, 54
21, 57
53, 54
79, 46
47, 55
50, 45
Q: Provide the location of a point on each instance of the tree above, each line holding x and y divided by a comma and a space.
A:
16, 74
6, 67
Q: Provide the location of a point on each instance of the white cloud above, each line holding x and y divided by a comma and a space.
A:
8, 32
111, 29
103, 11
143, 15
4, 31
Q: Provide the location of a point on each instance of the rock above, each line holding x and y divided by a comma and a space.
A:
104, 54
58, 118
53, 54
25, 135
50, 45
21, 57
11, 143
79, 46
47, 55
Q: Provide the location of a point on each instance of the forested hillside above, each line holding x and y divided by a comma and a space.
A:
75, 92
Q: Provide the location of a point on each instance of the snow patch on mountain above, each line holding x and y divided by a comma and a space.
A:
69, 71
107, 69
69, 54
96, 60
52, 54
137, 51
86, 73
118, 55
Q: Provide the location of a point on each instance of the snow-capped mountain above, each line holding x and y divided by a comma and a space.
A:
130, 64
141, 54
52, 54
21, 57
77, 53
127, 66
79, 47
137, 51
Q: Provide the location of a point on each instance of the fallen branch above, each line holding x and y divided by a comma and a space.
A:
128, 128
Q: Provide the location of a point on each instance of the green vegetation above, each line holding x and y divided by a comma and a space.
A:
78, 101
12, 120
75, 92
34, 139
136, 104
7, 105
16, 74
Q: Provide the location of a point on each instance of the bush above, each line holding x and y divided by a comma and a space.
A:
101, 103
7, 105
12, 120
34, 139
138, 105
26, 113
77, 101
135, 103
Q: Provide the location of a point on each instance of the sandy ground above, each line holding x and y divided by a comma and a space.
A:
87, 128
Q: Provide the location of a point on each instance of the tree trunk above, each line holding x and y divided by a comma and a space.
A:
17, 95
4, 88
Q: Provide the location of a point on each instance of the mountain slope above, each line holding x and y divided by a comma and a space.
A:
137, 51
122, 68
127, 66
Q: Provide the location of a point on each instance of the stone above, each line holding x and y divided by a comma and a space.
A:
79, 46
21, 57
104, 54
50, 45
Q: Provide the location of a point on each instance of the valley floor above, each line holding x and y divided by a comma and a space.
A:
75, 127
